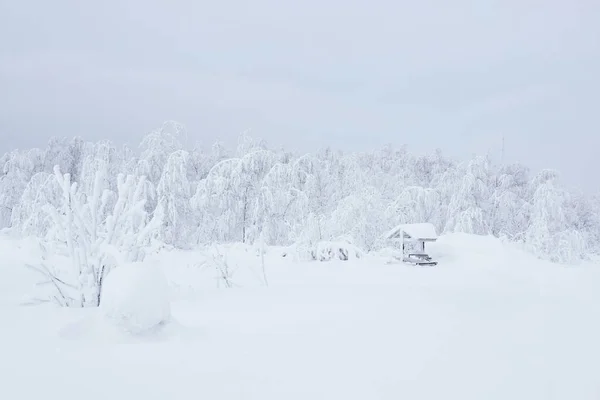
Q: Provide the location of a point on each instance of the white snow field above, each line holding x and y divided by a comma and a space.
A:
489, 322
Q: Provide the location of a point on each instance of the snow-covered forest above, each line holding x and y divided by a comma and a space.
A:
170, 192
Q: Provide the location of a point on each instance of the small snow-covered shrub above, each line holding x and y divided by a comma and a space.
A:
218, 260
135, 298
234, 264
335, 250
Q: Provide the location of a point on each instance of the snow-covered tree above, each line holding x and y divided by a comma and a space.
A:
16, 171
360, 216
415, 204
469, 203
173, 193
29, 217
281, 207
550, 234
156, 147
509, 208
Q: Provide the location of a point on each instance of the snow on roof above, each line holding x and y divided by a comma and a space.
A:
423, 230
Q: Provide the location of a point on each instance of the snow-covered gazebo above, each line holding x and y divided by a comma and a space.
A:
415, 236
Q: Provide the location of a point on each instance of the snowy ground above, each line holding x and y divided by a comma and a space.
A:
488, 323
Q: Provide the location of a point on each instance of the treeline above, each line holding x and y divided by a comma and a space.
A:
253, 191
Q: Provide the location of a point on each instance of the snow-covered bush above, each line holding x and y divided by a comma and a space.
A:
96, 233
336, 250
135, 298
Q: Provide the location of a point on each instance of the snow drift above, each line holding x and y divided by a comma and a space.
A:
489, 322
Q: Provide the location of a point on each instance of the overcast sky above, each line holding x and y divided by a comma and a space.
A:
355, 75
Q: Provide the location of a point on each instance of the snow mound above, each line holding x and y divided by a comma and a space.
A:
135, 298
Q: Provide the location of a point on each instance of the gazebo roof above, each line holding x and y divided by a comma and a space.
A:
420, 231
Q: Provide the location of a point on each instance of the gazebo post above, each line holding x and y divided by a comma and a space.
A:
402, 239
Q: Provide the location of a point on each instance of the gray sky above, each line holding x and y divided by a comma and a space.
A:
351, 74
